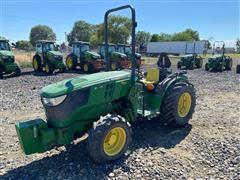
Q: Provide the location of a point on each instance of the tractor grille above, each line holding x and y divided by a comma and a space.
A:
8, 60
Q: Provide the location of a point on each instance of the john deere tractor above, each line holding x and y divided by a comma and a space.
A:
126, 49
104, 104
81, 55
219, 62
190, 61
47, 57
117, 60
7, 60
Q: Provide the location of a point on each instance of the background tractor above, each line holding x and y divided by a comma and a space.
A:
219, 62
47, 56
117, 60
7, 60
126, 49
190, 61
104, 104
81, 55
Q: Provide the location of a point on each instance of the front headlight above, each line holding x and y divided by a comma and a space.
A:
53, 101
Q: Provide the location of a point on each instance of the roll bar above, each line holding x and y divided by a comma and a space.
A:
223, 46
134, 25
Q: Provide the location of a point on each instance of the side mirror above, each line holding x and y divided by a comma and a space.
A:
13, 45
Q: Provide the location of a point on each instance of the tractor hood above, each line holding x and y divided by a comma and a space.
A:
67, 86
55, 53
6, 53
94, 55
215, 56
119, 54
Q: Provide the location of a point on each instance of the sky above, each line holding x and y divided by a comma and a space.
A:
213, 19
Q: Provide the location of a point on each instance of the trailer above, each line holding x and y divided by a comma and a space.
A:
176, 47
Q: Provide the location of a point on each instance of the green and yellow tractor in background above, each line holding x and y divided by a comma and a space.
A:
219, 62
190, 61
82, 56
126, 49
104, 104
117, 60
47, 57
7, 60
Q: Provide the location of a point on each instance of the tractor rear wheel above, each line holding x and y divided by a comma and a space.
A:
191, 66
71, 62
49, 68
238, 69
36, 63
109, 138
178, 105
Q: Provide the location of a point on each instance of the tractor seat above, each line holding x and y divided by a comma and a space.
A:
152, 76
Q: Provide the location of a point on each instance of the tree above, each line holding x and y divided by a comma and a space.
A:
238, 45
142, 38
23, 45
41, 32
194, 34
81, 31
181, 36
154, 38
119, 28
164, 37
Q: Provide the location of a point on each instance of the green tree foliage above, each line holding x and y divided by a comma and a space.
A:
142, 38
155, 38
81, 31
41, 32
23, 45
238, 45
119, 28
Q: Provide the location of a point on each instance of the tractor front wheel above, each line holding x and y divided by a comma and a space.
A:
1, 72
206, 67
199, 63
17, 72
86, 67
238, 69
49, 68
178, 105
179, 65
229, 65
114, 66
109, 138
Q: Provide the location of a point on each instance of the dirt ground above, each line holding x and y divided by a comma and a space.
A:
209, 147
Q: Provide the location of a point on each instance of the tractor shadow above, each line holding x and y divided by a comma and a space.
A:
76, 163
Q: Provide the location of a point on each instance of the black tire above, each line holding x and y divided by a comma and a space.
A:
238, 69
39, 64
98, 133
114, 64
220, 68
229, 64
191, 66
199, 62
179, 65
1, 72
89, 68
74, 62
49, 68
206, 67
169, 111
17, 72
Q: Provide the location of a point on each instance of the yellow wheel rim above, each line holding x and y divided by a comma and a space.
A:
69, 62
114, 141
85, 67
47, 68
184, 104
35, 63
113, 66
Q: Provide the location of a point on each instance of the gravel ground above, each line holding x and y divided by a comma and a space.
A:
209, 147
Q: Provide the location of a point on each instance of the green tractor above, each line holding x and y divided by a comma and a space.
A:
118, 60
219, 62
81, 55
126, 49
7, 60
104, 104
48, 57
190, 61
